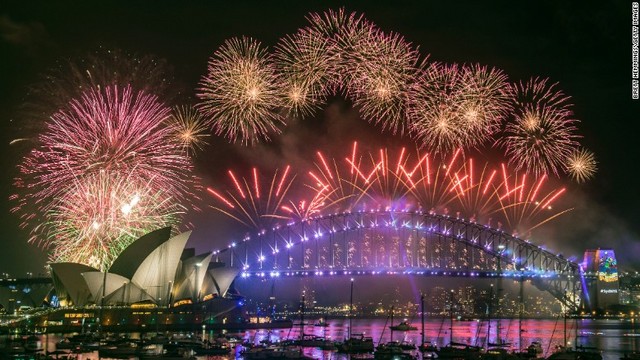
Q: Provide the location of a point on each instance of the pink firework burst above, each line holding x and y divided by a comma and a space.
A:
111, 130
101, 214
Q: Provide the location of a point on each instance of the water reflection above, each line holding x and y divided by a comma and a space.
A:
614, 337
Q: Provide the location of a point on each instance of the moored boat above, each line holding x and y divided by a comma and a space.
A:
456, 350
358, 343
392, 351
403, 326
579, 353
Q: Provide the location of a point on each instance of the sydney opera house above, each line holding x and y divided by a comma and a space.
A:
154, 272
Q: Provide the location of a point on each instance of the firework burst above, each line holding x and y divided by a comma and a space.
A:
70, 78
343, 30
305, 65
525, 203
342, 182
395, 179
253, 204
190, 128
382, 70
111, 131
542, 134
485, 102
434, 112
101, 214
240, 93
581, 165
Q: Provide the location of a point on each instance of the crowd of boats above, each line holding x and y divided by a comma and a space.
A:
113, 346
189, 346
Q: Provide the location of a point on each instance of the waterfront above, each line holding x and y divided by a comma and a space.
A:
614, 337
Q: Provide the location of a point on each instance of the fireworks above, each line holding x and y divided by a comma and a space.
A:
393, 179
240, 92
443, 107
253, 204
382, 69
101, 214
305, 66
113, 162
486, 101
190, 128
581, 165
108, 129
342, 31
71, 78
434, 110
456, 106
338, 182
97, 141
543, 133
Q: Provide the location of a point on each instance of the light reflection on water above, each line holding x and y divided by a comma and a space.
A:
613, 337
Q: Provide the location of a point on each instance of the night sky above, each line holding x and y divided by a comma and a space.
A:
585, 46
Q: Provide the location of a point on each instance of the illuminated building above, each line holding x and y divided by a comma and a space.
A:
601, 274
155, 269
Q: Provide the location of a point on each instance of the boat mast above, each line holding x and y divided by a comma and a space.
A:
451, 317
520, 312
565, 320
302, 318
501, 250
350, 308
391, 326
422, 318
489, 310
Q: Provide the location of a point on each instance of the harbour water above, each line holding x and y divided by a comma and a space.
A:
613, 337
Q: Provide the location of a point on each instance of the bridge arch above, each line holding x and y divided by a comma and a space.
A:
410, 242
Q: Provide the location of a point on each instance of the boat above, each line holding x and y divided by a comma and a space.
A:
357, 343
634, 355
122, 350
57, 354
32, 344
392, 350
309, 340
65, 344
579, 353
407, 345
273, 352
212, 349
13, 348
321, 322
428, 350
499, 352
455, 350
532, 352
428, 346
403, 326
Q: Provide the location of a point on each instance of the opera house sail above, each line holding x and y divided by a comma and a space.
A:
154, 281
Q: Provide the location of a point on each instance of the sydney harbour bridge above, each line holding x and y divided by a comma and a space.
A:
400, 243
